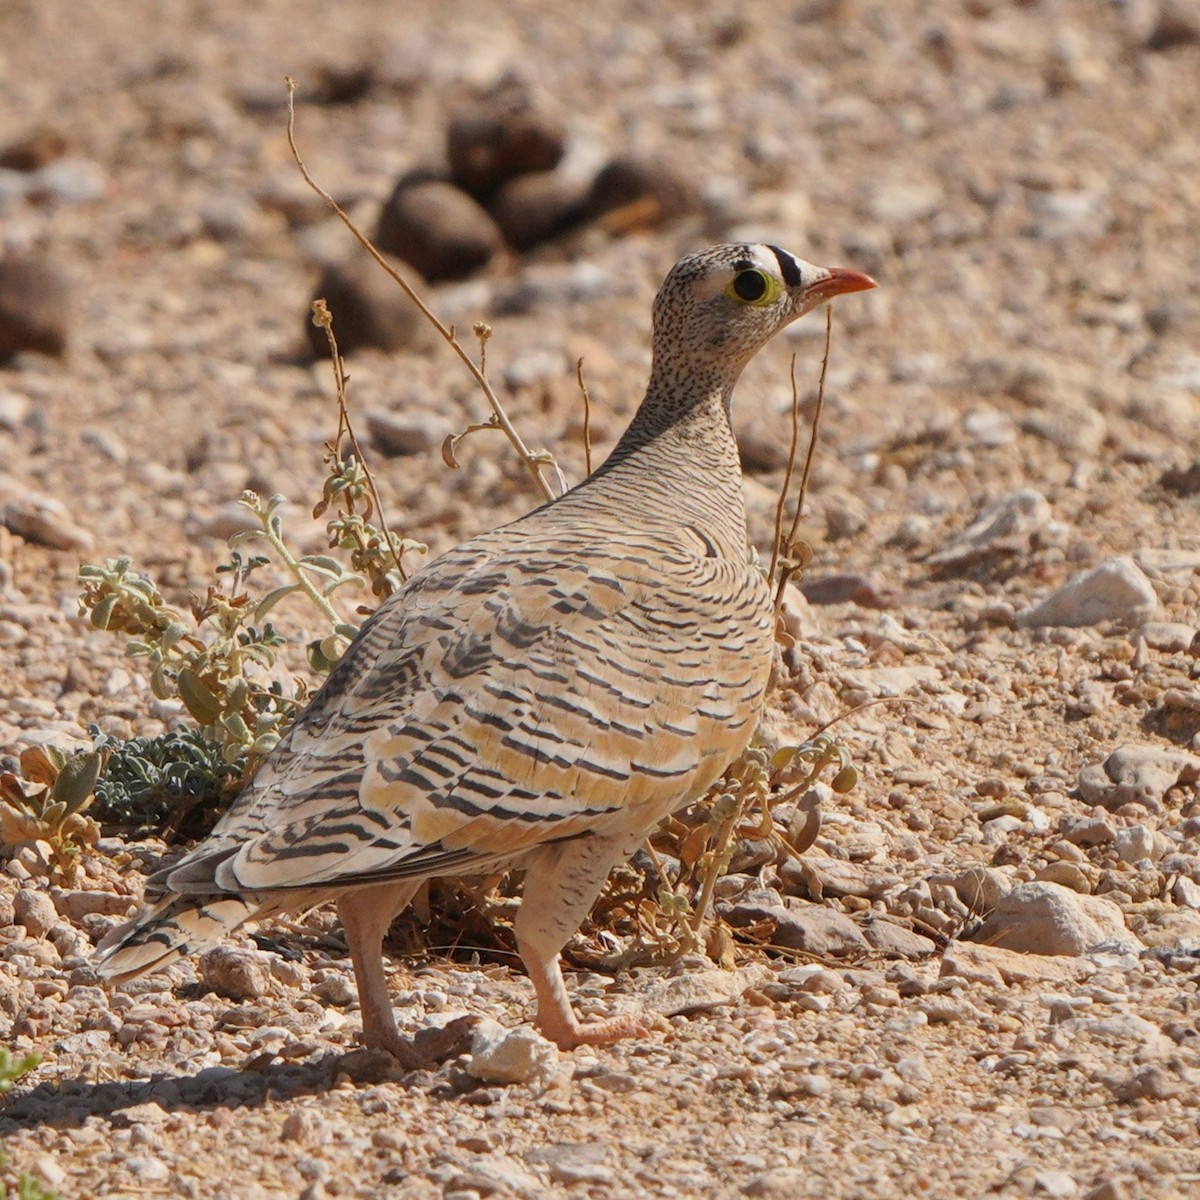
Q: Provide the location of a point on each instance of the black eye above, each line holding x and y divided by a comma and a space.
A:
750, 285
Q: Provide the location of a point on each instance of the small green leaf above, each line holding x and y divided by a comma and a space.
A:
198, 697
103, 611
272, 598
76, 780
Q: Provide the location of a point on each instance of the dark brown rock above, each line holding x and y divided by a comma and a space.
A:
35, 149
437, 228
369, 308
535, 208
632, 193
34, 308
487, 147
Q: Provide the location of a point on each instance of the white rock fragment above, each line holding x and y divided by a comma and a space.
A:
1137, 774
500, 1055
701, 991
1046, 918
1003, 527
1116, 590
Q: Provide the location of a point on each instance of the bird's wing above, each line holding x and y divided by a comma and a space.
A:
510, 695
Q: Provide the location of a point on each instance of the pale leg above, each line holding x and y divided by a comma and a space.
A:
366, 914
562, 882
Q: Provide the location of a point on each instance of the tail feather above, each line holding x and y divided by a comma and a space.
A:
173, 928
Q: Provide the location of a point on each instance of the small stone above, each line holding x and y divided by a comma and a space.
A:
70, 180
1171, 637
1137, 774
1110, 1189
410, 430
37, 148
336, 989
75, 905
500, 1055
1045, 918
811, 928
571, 1163
1177, 24
535, 208
632, 193
995, 966
499, 141
368, 307
1116, 590
236, 973
1006, 526
1150, 1082
1064, 215
896, 941
14, 409
704, 990
35, 308
43, 521
35, 910
867, 591
1137, 842
438, 228
981, 888
780, 1183
149, 1170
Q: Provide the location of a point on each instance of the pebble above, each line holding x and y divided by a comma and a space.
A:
1116, 590
636, 193
14, 410
1006, 526
695, 991
369, 309
780, 1183
35, 307
44, 521
1046, 918
500, 140
236, 973
811, 928
1137, 774
35, 910
410, 430
995, 966
500, 1055
70, 180
437, 228
536, 208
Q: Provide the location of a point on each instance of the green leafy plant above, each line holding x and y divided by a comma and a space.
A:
46, 805
177, 783
12, 1068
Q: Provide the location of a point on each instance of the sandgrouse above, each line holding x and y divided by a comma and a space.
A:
539, 697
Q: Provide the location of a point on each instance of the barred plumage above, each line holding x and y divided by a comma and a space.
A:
539, 696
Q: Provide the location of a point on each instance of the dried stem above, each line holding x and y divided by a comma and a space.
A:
532, 464
786, 572
786, 486
324, 318
587, 417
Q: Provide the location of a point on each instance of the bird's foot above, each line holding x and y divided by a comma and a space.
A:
403, 1050
596, 1033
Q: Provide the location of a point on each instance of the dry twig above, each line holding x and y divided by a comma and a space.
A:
532, 461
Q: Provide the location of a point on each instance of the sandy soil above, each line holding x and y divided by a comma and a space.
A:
1023, 179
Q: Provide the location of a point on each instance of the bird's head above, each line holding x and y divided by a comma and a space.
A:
722, 305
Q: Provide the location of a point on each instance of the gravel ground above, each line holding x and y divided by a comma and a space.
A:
997, 934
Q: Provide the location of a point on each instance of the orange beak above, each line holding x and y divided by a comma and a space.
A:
838, 282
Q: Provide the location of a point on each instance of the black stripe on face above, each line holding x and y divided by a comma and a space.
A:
788, 267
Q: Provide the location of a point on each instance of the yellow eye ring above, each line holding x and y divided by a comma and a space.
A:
752, 286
